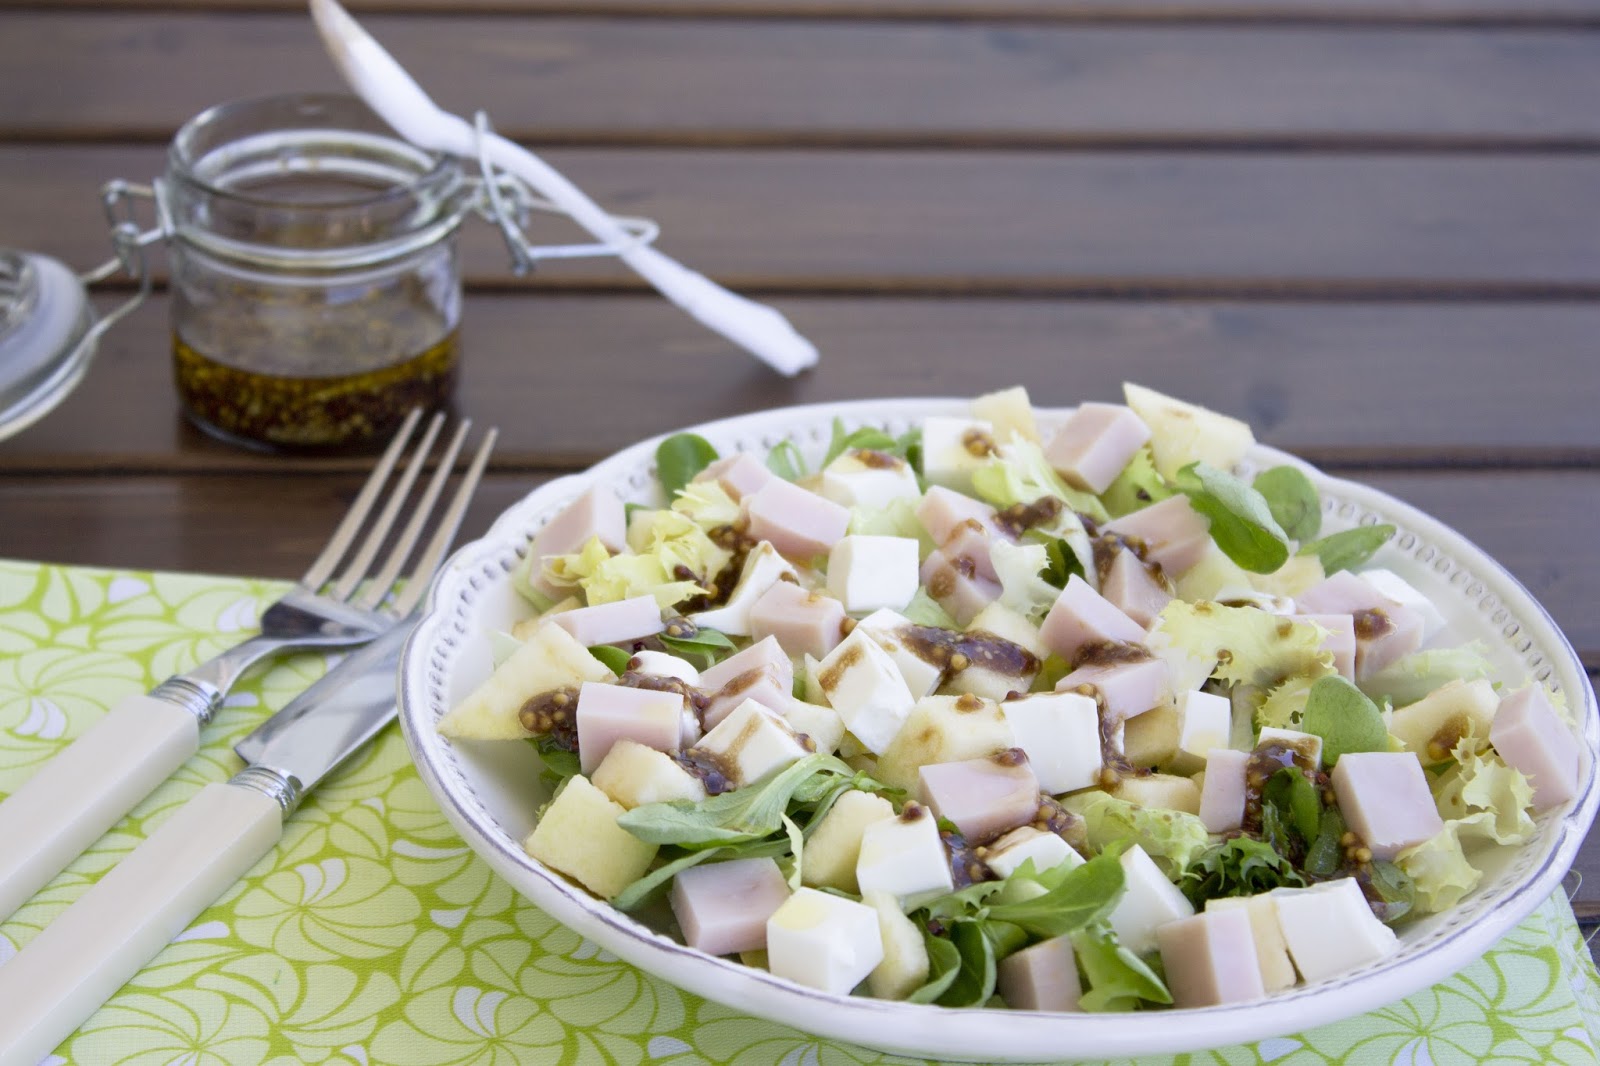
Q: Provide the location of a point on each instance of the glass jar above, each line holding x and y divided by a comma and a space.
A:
315, 283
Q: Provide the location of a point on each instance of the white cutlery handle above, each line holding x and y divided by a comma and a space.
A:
95, 946
86, 789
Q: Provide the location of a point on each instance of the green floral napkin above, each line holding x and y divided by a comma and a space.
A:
373, 935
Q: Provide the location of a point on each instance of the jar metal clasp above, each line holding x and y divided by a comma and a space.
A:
130, 243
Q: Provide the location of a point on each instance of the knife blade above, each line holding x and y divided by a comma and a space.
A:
79, 960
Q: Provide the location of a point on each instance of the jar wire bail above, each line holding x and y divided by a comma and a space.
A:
506, 202
129, 242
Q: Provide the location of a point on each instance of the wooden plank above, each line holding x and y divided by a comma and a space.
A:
738, 81
570, 379
1404, 12
271, 524
1382, 226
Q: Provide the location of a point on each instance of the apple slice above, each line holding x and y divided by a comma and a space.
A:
548, 660
1182, 433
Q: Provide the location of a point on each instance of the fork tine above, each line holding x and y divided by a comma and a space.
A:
378, 587
357, 568
422, 574
350, 524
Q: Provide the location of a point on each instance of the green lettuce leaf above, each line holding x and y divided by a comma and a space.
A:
924, 610
1344, 718
1241, 866
1019, 473
679, 458
1172, 838
898, 518
707, 504
1480, 783
673, 541
1020, 568
1292, 499
1348, 549
1118, 979
1439, 868
1249, 646
1242, 524
1409, 679
1137, 487
1285, 704
745, 814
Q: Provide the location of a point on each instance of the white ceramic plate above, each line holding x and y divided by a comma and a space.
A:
490, 791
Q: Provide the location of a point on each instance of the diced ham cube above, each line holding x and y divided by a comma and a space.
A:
1210, 959
1399, 589
1341, 639
970, 541
942, 510
739, 475
723, 907
1222, 799
1384, 797
1385, 629
983, 797
1174, 534
763, 567
1094, 444
1127, 689
609, 713
1041, 977
804, 623
800, 524
1130, 587
612, 623
1272, 952
762, 672
1532, 738
597, 513
956, 586
1080, 617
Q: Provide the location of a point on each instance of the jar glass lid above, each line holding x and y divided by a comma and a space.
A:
47, 336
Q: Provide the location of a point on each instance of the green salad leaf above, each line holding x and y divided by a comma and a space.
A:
1061, 563
1241, 522
1396, 890
1241, 866
1292, 499
786, 461
1414, 676
679, 458
706, 644
706, 504
944, 964
1019, 473
1439, 869
1021, 569
1344, 718
1137, 487
1488, 798
1248, 646
924, 610
745, 814
640, 891
1118, 979
1349, 549
865, 437
1172, 838
615, 659
1295, 798
975, 976
559, 763
1073, 898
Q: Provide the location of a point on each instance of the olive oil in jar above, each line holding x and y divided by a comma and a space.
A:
287, 411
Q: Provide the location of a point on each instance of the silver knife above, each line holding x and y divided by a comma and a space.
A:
53, 985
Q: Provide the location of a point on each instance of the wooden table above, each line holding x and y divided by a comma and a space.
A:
1371, 227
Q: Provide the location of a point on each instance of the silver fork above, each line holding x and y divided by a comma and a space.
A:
84, 790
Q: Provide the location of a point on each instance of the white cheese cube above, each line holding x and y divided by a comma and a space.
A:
823, 941
868, 573
952, 448
863, 684
1205, 721
1272, 952
1308, 744
1060, 731
1330, 929
763, 568
753, 742
1148, 902
1399, 589
869, 479
1047, 850
884, 629
904, 857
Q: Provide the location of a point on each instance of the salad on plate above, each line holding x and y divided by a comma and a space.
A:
1066, 720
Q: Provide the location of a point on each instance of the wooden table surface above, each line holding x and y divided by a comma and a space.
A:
1370, 227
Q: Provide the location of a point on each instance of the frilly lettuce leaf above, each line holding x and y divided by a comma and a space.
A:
1021, 474
1409, 679
1172, 838
898, 518
674, 541
1285, 704
1439, 869
1248, 646
1022, 589
706, 503
1137, 487
924, 610
1488, 797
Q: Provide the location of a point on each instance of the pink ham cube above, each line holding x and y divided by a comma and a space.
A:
1080, 617
762, 672
723, 907
1174, 534
1223, 797
1384, 797
942, 510
983, 797
956, 585
1043, 977
1094, 444
1341, 639
1531, 737
970, 540
1385, 629
1132, 589
800, 524
1127, 689
612, 623
803, 622
739, 475
609, 713
1211, 959
597, 513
